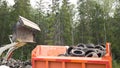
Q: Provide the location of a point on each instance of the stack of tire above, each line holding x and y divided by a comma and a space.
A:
86, 50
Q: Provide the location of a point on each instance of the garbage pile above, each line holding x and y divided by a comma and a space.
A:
12, 63
86, 50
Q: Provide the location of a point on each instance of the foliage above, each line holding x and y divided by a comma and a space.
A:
4, 15
115, 64
91, 22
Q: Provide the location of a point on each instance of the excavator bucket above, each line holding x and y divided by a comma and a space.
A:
24, 30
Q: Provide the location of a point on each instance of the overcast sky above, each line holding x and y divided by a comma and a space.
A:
33, 2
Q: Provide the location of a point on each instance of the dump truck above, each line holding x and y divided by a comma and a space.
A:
44, 56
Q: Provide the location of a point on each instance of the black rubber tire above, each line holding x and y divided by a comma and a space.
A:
101, 53
81, 45
92, 54
100, 47
89, 51
76, 52
90, 45
61, 55
68, 51
79, 48
103, 45
85, 49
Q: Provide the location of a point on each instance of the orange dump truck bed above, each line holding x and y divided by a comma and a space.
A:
47, 57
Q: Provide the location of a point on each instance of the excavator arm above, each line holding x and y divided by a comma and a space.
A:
4, 48
12, 47
22, 34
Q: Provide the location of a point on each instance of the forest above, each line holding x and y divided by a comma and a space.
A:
64, 23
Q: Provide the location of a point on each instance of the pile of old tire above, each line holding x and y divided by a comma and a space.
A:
86, 50
12, 63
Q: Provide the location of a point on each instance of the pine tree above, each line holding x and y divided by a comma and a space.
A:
65, 23
51, 23
90, 28
22, 8
115, 29
4, 22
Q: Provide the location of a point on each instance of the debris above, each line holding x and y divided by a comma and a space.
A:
4, 66
12, 63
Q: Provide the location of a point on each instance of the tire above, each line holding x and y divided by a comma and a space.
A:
61, 55
90, 45
68, 52
100, 47
101, 53
103, 45
92, 54
76, 52
79, 48
89, 51
81, 45
85, 49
